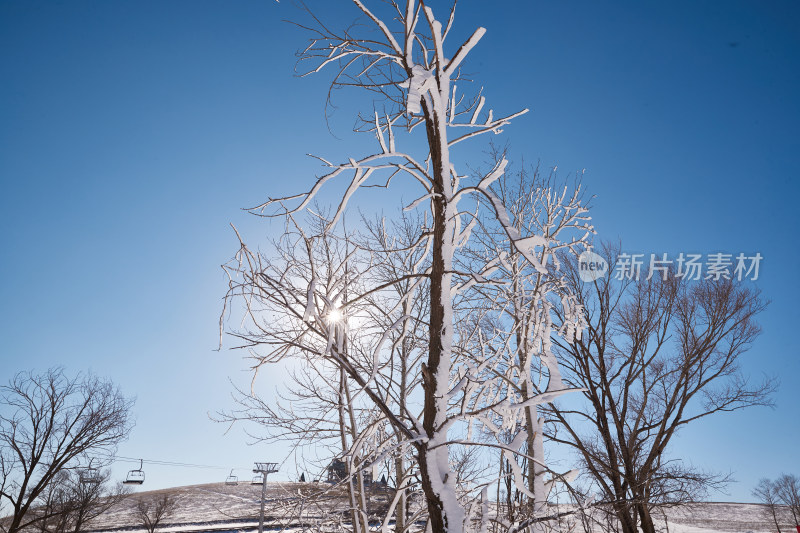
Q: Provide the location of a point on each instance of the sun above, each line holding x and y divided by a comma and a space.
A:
334, 315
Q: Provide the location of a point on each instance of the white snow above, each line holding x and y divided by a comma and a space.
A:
218, 507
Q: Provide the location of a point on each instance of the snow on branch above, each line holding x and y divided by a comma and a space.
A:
468, 330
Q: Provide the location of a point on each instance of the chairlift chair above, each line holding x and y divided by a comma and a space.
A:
135, 477
231, 479
89, 475
258, 480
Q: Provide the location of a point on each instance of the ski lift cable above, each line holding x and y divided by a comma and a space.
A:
158, 462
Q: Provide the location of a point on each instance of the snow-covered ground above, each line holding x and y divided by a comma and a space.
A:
223, 507
220, 508
709, 517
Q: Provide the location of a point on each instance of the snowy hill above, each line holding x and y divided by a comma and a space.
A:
734, 517
223, 507
217, 507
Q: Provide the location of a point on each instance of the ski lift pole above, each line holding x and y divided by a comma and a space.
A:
264, 469
263, 498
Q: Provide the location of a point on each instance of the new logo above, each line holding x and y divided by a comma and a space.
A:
591, 266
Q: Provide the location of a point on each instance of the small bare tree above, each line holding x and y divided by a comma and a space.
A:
781, 498
787, 488
75, 498
151, 511
90, 498
766, 492
50, 423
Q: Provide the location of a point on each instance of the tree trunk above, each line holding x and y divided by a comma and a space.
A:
399, 462
400, 509
623, 513
645, 519
438, 483
536, 471
343, 434
775, 517
360, 493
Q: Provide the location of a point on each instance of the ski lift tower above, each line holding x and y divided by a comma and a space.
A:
264, 469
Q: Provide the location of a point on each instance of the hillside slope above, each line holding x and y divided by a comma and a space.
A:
217, 507
221, 507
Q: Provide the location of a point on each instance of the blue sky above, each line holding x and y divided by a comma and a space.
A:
132, 134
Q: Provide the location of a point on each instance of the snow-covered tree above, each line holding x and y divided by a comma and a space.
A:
413, 67
520, 301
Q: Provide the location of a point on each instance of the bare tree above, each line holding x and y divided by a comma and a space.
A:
408, 344
657, 354
50, 423
766, 492
325, 407
781, 498
91, 497
151, 511
787, 488
75, 498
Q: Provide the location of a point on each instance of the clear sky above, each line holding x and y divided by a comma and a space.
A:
131, 134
